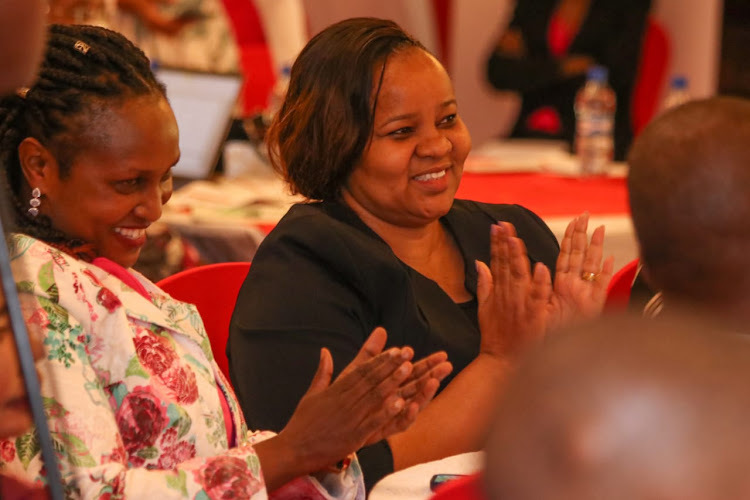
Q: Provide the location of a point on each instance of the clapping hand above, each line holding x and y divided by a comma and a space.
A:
416, 391
518, 306
377, 394
512, 300
581, 279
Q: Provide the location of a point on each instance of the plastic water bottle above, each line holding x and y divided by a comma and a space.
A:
595, 107
677, 94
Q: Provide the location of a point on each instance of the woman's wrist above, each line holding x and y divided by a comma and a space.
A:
499, 364
282, 462
279, 462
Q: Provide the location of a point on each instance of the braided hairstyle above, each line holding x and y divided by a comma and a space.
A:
84, 68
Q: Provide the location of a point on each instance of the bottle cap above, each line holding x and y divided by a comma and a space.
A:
598, 74
678, 82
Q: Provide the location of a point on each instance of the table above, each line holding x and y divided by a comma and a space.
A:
228, 218
557, 199
413, 483
543, 176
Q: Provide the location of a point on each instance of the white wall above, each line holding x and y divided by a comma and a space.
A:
415, 16
476, 27
694, 27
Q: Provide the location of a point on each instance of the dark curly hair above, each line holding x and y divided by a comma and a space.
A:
326, 119
83, 67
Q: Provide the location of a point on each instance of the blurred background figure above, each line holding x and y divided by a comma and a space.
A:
626, 408
546, 51
188, 34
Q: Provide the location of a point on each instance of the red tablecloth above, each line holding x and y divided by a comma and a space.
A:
548, 195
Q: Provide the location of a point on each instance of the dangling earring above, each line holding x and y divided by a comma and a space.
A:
35, 202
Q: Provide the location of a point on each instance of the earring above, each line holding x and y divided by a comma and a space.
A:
35, 202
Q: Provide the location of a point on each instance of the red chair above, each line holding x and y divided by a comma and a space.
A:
464, 488
618, 291
213, 289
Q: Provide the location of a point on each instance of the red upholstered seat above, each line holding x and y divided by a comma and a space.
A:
618, 292
213, 289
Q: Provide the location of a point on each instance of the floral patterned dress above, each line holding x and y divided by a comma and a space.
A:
131, 392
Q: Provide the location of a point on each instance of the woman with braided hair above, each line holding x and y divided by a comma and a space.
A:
136, 404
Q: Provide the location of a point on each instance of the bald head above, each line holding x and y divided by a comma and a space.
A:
626, 408
689, 186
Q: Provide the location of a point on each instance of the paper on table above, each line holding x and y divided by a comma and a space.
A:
413, 483
229, 201
527, 155
515, 155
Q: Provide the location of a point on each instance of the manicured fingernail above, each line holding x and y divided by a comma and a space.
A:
394, 352
398, 404
403, 369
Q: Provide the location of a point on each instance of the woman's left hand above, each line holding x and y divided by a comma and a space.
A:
416, 391
581, 279
379, 393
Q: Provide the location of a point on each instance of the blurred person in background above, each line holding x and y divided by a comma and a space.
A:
626, 408
188, 34
547, 49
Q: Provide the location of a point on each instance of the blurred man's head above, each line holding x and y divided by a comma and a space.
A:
21, 42
689, 187
626, 408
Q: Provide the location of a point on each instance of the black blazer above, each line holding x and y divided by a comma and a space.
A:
324, 278
611, 33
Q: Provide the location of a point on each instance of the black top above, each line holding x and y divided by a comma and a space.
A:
324, 278
611, 34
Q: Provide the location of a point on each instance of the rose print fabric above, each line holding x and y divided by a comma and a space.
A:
131, 392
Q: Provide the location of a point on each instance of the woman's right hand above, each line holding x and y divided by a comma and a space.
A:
378, 394
512, 300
